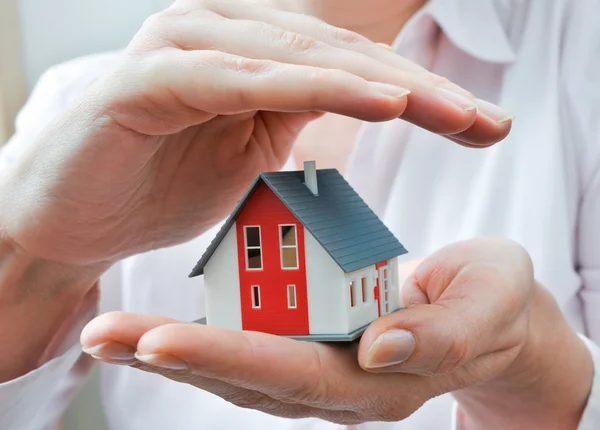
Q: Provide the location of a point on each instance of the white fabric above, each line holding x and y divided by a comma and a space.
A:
540, 187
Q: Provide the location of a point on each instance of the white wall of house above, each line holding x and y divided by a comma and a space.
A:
395, 285
222, 285
325, 284
363, 312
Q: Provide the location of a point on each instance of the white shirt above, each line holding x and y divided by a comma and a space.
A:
539, 59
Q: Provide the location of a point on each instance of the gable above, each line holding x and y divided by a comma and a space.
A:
263, 205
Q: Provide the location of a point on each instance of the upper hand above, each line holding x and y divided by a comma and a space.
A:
476, 324
208, 94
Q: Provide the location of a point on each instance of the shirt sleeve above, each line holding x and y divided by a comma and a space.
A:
580, 93
591, 416
580, 83
36, 400
581, 123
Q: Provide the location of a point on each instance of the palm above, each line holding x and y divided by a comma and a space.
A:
201, 172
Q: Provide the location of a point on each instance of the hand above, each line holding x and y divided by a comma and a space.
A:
208, 94
477, 324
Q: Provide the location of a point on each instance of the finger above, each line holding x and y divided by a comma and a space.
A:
492, 125
270, 364
273, 374
320, 376
492, 122
447, 112
475, 309
248, 399
112, 337
221, 83
410, 296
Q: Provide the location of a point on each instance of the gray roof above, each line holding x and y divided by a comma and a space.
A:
338, 219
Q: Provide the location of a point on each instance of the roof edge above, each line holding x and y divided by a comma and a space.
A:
199, 268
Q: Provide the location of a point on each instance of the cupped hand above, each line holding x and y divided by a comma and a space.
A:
208, 94
476, 324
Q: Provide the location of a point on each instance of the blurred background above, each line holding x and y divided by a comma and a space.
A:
35, 35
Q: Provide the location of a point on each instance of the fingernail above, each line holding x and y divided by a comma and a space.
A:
457, 99
111, 351
493, 112
391, 348
164, 361
385, 45
124, 362
389, 90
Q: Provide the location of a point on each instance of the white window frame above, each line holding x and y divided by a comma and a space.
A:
293, 286
353, 301
282, 246
384, 287
364, 289
252, 296
259, 247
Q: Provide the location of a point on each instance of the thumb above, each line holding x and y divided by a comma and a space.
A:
424, 340
468, 305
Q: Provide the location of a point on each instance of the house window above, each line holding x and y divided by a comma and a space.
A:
364, 289
352, 301
289, 246
291, 296
253, 248
255, 296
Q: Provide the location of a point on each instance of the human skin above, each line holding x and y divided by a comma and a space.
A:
134, 166
477, 324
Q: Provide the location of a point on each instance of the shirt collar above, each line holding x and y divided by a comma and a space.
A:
478, 27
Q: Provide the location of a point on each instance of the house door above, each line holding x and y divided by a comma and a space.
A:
384, 290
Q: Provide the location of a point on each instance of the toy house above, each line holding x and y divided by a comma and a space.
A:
302, 255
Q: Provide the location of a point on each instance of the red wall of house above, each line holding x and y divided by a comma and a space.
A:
266, 210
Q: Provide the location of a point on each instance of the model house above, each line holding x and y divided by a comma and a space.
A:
302, 255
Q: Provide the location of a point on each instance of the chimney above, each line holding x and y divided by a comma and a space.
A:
310, 177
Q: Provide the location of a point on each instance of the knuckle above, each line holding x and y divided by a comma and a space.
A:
387, 410
327, 75
243, 65
153, 67
314, 391
114, 318
299, 42
436, 79
253, 400
456, 355
153, 33
346, 36
195, 4
152, 26
241, 95
154, 20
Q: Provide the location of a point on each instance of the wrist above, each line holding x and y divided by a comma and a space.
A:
546, 386
37, 298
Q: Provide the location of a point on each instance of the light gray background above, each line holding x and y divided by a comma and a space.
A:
54, 31
57, 30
